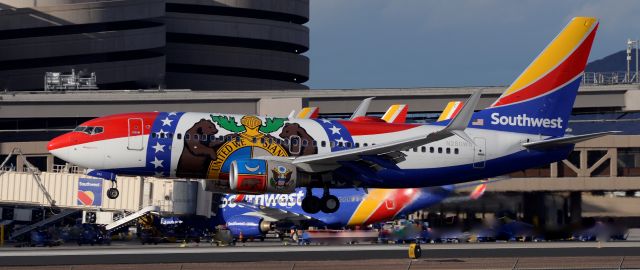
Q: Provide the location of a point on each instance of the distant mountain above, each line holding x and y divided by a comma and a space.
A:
613, 62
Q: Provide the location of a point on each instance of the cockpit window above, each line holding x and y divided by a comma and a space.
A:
90, 130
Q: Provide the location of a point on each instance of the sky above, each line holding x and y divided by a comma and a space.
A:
428, 43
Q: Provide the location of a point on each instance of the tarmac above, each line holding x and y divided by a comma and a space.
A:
547, 255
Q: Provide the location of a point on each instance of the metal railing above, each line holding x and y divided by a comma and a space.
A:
608, 78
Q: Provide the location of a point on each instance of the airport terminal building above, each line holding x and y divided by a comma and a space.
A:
178, 44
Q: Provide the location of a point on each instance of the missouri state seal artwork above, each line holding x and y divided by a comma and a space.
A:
213, 143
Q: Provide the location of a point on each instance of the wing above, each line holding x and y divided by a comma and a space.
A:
325, 161
274, 214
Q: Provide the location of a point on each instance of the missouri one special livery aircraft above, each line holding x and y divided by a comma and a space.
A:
247, 154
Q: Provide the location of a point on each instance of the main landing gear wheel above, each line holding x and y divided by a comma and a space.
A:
330, 204
113, 193
311, 204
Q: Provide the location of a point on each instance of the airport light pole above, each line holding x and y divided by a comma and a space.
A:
631, 44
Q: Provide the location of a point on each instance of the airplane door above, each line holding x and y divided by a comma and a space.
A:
480, 155
135, 132
294, 144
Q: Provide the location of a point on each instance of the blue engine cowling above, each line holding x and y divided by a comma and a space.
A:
250, 226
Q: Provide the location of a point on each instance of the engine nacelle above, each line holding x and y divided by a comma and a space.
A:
257, 176
249, 226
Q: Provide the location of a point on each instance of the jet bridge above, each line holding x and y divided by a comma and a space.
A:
24, 195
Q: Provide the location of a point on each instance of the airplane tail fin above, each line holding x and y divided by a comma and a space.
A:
451, 110
308, 113
397, 114
540, 100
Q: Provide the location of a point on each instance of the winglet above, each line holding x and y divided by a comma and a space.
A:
362, 108
460, 122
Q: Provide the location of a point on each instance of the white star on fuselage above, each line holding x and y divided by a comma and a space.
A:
341, 140
326, 121
157, 162
158, 147
161, 133
166, 121
159, 174
335, 130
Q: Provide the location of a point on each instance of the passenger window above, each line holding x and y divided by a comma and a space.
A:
323, 144
423, 149
448, 150
455, 151
314, 143
365, 144
431, 149
196, 137
153, 135
348, 144
357, 145
179, 136
439, 150
237, 139
415, 149
212, 138
305, 142
340, 144
262, 140
254, 140
333, 144
187, 136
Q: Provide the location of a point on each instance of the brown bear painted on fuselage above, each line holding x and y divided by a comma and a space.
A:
294, 129
198, 153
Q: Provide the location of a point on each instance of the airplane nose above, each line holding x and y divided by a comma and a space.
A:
59, 142
59, 146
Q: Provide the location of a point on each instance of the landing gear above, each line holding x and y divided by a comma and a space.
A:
113, 193
328, 203
311, 204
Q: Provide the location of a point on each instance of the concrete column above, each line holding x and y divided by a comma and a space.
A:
575, 203
584, 166
613, 163
553, 173
49, 163
19, 164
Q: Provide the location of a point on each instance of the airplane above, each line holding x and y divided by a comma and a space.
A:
247, 154
255, 215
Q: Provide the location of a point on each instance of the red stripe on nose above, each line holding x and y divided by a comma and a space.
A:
61, 141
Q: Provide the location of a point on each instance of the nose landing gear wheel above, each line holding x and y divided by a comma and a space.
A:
311, 204
330, 204
113, 193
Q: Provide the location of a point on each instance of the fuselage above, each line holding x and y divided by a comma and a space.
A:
203, 145
358, 208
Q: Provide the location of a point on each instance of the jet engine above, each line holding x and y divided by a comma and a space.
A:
249, 226
257, 176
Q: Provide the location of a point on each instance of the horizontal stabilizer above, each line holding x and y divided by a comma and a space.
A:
565, 140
